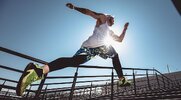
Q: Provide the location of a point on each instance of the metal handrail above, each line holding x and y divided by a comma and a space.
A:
22, 55
76, 76
72, 82
12, 69
44, 62
5, 79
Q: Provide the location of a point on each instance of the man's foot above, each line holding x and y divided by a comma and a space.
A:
31, 74
124, 82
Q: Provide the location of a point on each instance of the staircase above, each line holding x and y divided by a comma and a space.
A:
147, 84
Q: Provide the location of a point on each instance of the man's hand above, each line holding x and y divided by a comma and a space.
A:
121, 37
71, 6
126, 25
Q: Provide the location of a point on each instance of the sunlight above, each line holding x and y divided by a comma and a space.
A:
108, 41
121, 47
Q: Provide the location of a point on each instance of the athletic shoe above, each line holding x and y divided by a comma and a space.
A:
29, 76
124, 82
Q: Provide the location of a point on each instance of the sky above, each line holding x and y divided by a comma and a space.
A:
47, 30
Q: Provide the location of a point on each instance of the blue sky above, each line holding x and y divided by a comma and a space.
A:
47, 29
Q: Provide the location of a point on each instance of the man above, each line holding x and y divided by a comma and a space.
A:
94, 45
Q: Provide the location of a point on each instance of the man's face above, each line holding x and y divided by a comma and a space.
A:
110, 21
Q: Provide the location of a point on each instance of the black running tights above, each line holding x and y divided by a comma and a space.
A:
80, 59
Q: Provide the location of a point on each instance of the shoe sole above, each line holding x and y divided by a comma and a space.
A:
18, 88
127, 84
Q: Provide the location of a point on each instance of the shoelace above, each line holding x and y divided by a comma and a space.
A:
33, 79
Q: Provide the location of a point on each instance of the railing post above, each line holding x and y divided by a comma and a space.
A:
28, 92
90, 91
157, 80
163, 82
5, 94
44, 93
73, 85
148, 81
168, 82
112, 85
117, 87
106, 89
2, 85
40, 87
134, 81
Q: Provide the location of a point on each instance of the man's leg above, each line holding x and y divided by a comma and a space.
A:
33, 72
117, 66
66, 62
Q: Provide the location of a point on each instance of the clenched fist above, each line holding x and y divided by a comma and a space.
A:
126, 25
71, 6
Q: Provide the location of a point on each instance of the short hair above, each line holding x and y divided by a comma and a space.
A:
107, 15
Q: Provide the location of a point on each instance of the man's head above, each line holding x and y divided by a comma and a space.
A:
110, 20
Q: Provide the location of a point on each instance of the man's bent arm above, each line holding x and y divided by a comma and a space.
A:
121, 37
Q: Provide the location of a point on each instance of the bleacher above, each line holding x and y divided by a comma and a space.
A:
147, 84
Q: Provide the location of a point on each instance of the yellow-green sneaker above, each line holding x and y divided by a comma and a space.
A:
30, 75
124, 82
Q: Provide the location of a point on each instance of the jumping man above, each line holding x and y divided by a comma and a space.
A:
94, 45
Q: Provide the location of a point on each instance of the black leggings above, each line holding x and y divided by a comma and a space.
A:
80, 59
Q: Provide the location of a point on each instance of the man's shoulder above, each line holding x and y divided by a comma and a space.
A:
102, 18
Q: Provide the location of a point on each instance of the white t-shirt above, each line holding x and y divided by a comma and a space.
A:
98, 37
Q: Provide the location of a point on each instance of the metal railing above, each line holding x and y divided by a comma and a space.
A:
149, 80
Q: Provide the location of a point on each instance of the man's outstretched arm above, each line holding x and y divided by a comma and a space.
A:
121, 37
85, 11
